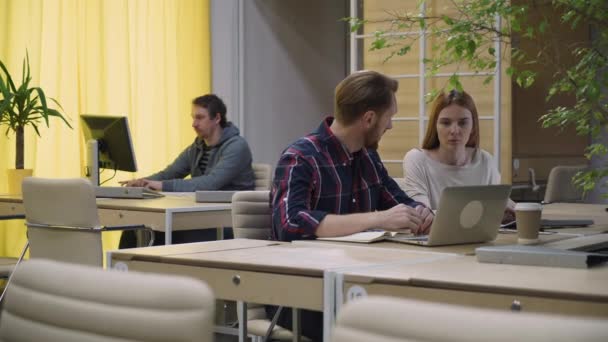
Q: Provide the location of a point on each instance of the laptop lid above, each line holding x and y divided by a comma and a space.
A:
469, 214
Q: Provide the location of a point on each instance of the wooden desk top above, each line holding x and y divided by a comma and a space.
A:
272, 257
161, 204
503, 239
465, 273
157, 252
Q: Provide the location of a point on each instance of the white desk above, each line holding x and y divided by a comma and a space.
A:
276, 273
168, 214
464, 281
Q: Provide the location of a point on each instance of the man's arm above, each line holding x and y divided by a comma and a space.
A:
397, 218
294, 219
234, 158
391, 194
179, 168
293, 184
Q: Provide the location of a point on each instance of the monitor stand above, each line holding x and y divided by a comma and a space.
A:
91, 169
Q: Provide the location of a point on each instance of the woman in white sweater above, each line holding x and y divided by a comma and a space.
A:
450, 153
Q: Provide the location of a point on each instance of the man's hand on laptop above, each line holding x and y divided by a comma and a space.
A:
133, 182
153, 185
426, 216
400, 217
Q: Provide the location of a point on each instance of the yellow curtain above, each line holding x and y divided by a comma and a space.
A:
144, 59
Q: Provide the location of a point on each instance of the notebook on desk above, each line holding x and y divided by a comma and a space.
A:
367, 236
126, 192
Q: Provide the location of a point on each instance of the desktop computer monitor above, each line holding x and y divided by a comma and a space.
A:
108, 145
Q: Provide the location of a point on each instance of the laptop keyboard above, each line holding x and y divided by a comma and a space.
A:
411, 238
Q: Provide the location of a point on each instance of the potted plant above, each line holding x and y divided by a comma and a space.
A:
22, 105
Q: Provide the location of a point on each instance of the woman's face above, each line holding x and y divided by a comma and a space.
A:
454, 126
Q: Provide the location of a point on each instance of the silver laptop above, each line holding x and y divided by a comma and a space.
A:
467, 214
208, 196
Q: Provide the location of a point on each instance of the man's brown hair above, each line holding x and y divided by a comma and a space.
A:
363, 91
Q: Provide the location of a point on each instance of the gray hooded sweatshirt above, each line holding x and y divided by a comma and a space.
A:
228, 168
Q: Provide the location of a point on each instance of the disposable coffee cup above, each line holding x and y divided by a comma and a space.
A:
528, 216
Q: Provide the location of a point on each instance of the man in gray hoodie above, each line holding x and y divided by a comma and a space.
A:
219, 158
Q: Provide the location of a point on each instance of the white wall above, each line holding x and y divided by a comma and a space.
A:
293, 54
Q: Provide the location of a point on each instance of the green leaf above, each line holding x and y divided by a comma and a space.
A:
378, 43
404, 50
454, 82
471, 47
543, 26
9, 79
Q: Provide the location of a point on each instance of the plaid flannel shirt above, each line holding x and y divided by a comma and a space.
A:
317, 175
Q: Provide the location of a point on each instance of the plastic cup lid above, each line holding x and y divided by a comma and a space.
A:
528, 206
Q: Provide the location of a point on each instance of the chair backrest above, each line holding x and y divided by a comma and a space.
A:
52, 301
263, 176
52, 206
560, 187
251, 216
387, 319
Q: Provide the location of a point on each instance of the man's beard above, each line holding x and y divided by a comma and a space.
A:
372, 139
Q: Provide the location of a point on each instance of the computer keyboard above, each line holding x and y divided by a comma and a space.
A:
126, 192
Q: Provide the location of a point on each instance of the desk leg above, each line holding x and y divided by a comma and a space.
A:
329, 302
241, 308
168, 226
296, 326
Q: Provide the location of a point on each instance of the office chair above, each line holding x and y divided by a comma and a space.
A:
388, 319
6, 266
63, 222
263, 176
251, 219
8, 263
53, 301
560, 187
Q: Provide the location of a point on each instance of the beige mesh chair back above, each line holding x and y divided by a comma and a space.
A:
63, 221
251, 217
52, 301
387, 319
263, 176
560, 187
53, 204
